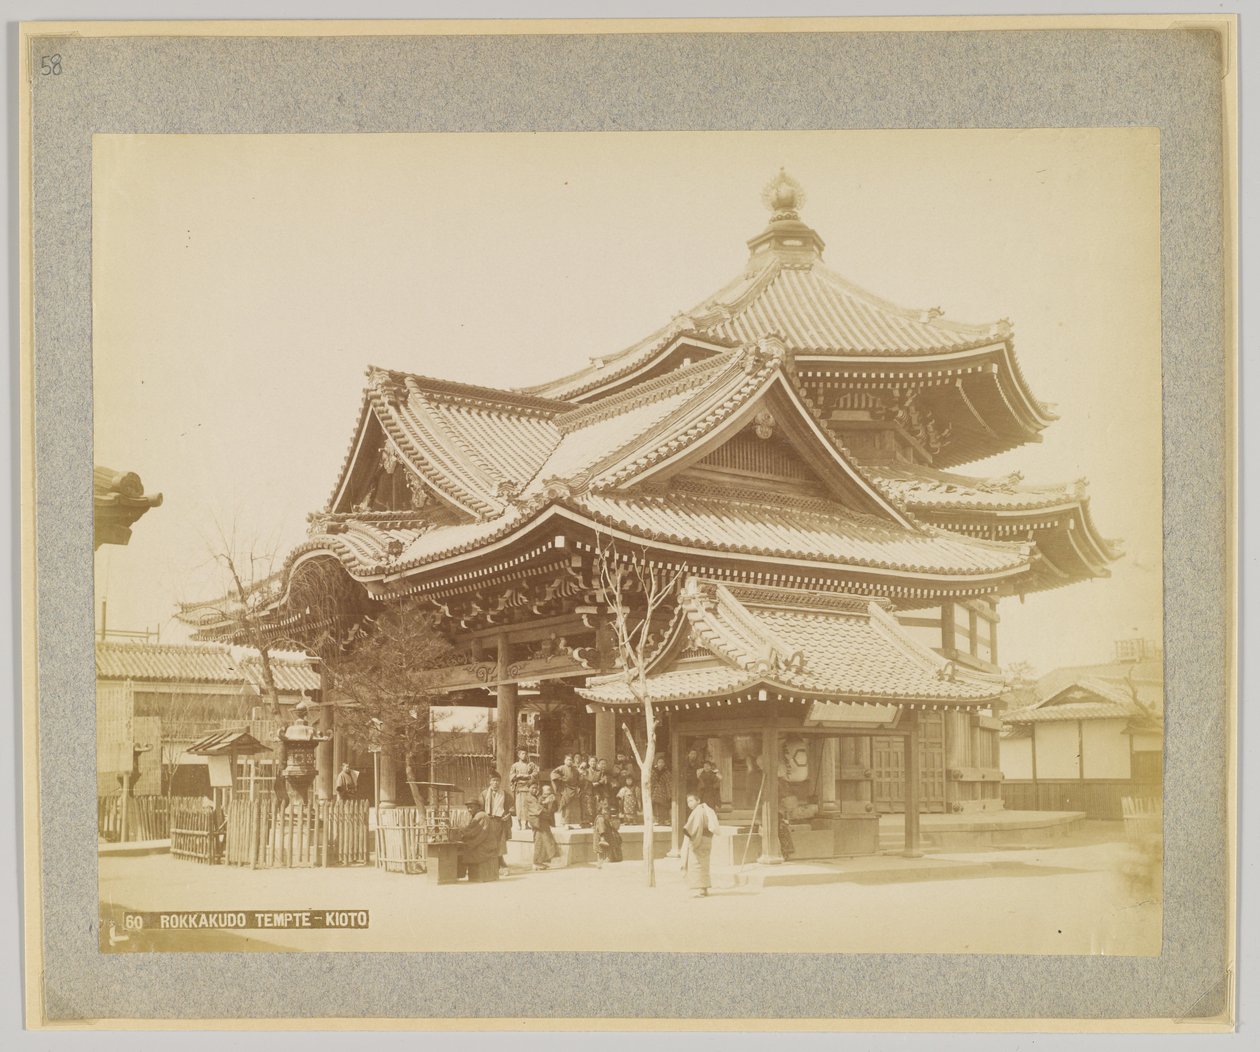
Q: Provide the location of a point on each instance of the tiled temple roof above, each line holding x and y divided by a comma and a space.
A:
1086, 699
292, 671
813, 530
922, 487
810, 308
833, 647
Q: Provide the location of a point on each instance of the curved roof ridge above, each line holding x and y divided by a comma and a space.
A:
457, 440
931, 316
583, 414
417, 443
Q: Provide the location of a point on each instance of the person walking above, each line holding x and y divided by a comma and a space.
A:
698, 833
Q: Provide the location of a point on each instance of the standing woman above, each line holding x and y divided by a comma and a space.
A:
542, 819
702, 825
523, 774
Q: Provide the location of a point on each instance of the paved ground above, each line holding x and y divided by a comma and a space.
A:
1068, 896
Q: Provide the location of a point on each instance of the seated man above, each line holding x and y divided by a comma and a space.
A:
478, 846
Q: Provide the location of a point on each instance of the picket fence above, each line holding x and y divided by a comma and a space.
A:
148, 816
262, 834
196, 830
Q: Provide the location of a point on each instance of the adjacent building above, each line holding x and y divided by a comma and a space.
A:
1089, 736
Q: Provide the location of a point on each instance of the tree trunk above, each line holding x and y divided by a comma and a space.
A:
649, 817
269, 682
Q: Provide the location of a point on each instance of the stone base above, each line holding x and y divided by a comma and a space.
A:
577, 846
828, 836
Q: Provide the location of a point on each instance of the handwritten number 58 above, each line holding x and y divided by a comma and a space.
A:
50, 64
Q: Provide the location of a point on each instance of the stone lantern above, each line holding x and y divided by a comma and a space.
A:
297, 755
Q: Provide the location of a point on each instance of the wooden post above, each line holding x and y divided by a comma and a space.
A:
770, 851
606, 735
678, 801
505, 716
725, 763
828, 756
325, 771
387, 791
910, 721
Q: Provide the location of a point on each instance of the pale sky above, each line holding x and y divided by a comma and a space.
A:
243, 283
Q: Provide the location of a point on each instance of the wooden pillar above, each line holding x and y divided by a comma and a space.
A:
910, 722
387, 791
678, 800
606, 735
725, 764
325, 769
828, 754
770, 851
504, 715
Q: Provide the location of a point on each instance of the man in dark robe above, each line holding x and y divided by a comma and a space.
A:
478, 845
708, 784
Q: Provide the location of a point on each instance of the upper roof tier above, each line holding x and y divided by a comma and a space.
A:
967, 371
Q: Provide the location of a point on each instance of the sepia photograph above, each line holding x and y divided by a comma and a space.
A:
683, 542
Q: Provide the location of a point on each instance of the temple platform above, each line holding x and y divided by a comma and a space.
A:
980, 831
848, 836
577, 846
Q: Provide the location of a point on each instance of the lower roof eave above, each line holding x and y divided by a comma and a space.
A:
769, 694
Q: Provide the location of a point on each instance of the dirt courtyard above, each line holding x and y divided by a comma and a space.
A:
1066, 897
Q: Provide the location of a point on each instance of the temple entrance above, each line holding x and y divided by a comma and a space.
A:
888, 768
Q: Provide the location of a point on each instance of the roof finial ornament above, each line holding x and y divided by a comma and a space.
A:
783, 196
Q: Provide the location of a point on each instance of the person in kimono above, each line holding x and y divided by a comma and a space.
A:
498, 808
542, 817
698, 833
564, 783
708, 784
478, 843
628, 801
521, 776
607, 835
586, 794
662, 786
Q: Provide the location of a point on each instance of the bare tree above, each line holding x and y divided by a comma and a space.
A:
248, 568
636, 590
387, 673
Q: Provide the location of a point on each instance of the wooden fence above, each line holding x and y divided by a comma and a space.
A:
262, 835
196, 831
148, 817
1097, 798
403, 836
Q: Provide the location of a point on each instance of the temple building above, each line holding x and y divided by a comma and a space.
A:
787, 455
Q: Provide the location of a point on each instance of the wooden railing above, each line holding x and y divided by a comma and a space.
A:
195, 830
148, 817
260, 834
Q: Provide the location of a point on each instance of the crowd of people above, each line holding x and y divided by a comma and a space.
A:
582, 792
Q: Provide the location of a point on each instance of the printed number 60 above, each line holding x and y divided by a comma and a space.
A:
133, 921
50, 64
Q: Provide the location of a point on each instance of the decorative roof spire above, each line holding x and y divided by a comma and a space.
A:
785, 237
783, 196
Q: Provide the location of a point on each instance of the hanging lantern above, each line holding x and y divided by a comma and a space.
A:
795, 760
